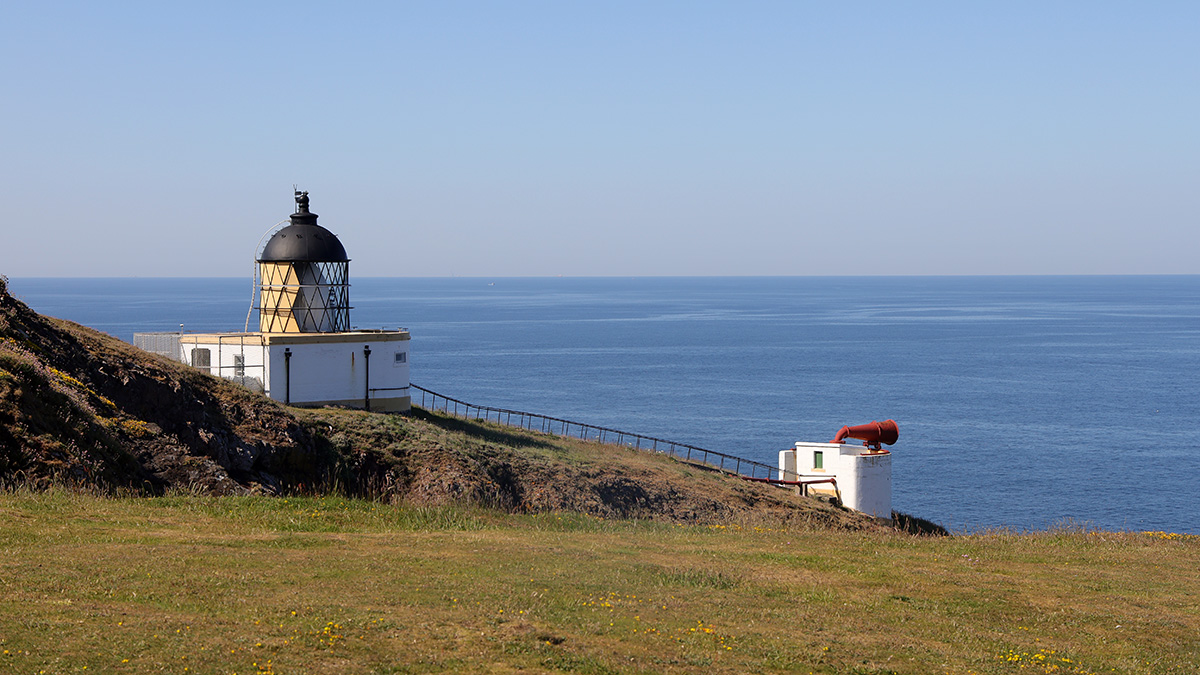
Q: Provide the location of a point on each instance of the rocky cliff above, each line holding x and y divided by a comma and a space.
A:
79, 405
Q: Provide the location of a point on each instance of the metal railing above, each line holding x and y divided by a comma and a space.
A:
732, 464
165, 344
801, 485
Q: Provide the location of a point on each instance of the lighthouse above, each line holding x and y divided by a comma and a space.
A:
305, 352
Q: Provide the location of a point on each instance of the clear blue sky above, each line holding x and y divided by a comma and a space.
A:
615, 138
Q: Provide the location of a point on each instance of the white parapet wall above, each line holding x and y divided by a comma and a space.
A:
864, 477
311, 369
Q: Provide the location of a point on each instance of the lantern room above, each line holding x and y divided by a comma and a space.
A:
305, 278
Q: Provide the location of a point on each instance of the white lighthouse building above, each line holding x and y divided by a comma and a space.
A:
304, 352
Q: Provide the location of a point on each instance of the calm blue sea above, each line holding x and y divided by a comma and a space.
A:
1022, 401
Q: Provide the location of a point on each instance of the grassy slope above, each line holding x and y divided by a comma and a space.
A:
302, 585
434, 459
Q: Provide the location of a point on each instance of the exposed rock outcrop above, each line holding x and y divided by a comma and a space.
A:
76, 404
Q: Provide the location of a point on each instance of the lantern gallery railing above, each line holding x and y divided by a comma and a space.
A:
431, 400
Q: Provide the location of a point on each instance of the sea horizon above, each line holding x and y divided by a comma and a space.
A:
665, 276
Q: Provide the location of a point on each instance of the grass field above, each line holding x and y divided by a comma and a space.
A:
188, 584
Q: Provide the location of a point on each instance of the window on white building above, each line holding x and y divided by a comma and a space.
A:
401, 358
239, 365
202, 359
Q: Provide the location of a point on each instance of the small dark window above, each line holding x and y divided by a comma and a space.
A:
818, 459
202, 359
401, 358
239, 365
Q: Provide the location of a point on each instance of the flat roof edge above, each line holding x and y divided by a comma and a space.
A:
378, 335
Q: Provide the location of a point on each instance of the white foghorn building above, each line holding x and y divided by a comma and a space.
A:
304, 352
862, 474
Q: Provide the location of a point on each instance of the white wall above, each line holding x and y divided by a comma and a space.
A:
324, 368
871, 483
337, 371
223, 352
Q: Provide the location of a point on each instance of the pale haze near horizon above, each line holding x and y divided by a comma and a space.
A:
631, 139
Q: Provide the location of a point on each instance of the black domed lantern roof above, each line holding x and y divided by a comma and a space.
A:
303, 240
305, 278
